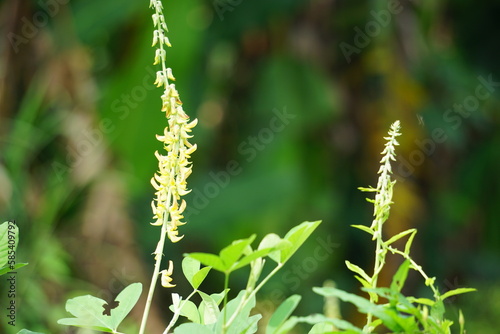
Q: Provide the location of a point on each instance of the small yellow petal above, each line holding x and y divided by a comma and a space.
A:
173, 236
166, 279
157, 223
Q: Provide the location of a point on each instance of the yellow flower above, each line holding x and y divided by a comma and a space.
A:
170, 182
165, 276
174, 166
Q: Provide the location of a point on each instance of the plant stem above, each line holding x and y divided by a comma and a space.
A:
247, 298
226, 286
417, 268
158, 256
376, 270
177, 312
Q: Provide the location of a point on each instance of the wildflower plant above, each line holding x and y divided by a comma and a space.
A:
228, 312
173, 168
216, 313
400, 314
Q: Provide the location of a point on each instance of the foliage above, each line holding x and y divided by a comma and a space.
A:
235, 314
399, 314
88, 310
293, 167
9, 238
217, 313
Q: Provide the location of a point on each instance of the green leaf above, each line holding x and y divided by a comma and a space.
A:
256, 267
423, 301
367, 285
282, 313
25, 331
88, 314
358, 270
313, 319
191, 328
271, 240
190, 266
345, 326
364, 228
230, 254
297, 236
321, 328
399, 278
456, 292
199, 277
252, 324
396, 300
192, 271
288, 325
437, 310
88, 310
274, 241
209, 260
409, 242
370, 189
402, 323
218, 297
251, 257
363, 305
189, 310
209, 309
242, 323
9, 237
400, 235
7, 268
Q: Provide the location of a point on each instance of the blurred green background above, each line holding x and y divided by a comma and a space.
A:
293, 99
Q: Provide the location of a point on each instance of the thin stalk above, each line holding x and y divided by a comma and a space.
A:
382, 205
176, 314
247, 298
226, 286
158, 257
417, 268
376, 270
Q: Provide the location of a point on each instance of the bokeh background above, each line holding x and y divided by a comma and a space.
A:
297, 95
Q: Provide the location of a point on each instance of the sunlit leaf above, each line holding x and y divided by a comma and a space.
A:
89, 310
400, 235
209, 309
456, 292
9, 237
190, 266
364, 228
252, 257
209, 260
358, 270
199, 277
363, 305
399, 278
274, 241
423, 301
8, 268
230, 254
192, 271
243, 321
189, 310
282, 313
297, 236
409, 242
191, 328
